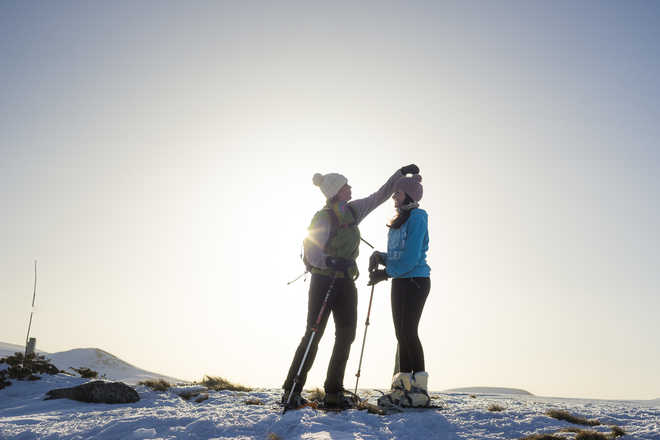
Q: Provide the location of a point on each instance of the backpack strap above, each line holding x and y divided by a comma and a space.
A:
334, 223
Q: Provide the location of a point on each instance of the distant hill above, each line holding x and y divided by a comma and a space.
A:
98, 360
490, 390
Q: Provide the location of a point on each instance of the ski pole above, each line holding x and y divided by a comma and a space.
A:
368, 244
296, 379
364, 339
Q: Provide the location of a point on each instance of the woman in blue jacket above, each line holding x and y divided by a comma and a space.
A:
405, 263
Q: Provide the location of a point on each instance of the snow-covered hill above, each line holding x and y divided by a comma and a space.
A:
490, 390
106, 364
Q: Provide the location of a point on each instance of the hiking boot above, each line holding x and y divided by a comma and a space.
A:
296, 400
338, 400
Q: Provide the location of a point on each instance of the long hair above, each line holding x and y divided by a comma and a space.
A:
401, 214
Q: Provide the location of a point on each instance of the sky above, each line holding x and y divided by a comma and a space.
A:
156, 159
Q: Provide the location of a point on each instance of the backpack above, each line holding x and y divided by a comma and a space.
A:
334, 227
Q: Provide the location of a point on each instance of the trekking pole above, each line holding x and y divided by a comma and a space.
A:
364, 339
368, 244
296, 380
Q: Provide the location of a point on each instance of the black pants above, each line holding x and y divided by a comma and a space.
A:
343, 305
408, 299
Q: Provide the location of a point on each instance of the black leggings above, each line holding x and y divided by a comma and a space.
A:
408, 298
343, 305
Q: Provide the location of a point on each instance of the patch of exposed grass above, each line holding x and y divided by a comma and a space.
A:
494, 407
156, 384
25, 368
617, 432
273, 436
542, 437
215, 383
582, 434
187, 395
591, 435
86, 373
200, 396
254, 402
568, 417
570, 429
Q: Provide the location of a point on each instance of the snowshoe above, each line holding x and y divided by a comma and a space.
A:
339, 401
408, 391
297, 401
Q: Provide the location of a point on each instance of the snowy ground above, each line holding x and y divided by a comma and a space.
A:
225, 415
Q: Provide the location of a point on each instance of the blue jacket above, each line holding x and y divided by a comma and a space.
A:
407, 246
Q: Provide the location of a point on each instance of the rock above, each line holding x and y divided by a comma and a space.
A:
97, 392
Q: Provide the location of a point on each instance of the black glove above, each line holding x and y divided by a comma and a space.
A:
376, 277
376, 259
410, 169
338, 263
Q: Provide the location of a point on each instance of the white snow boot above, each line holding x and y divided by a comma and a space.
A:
408, 390
419, 394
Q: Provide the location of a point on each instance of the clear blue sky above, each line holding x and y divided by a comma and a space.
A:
156, 159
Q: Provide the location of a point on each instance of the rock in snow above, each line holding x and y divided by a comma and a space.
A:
97, 392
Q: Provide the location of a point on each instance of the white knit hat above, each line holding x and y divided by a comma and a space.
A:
330, 184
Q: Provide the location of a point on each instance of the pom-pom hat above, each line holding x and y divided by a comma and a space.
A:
411, 186
330, 184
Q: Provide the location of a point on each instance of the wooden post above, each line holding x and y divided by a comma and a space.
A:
31, 347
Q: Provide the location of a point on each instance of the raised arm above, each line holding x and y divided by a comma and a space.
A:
363, 207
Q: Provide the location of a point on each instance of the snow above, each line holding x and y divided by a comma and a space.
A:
226, 415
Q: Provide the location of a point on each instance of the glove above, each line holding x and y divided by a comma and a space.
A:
410, 169
376, 277
338, 263
376, 259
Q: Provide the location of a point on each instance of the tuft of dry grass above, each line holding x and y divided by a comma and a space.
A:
86, 373
568, 417
617, 432
254, 402
156, 384
494, 407
542, 437
570, 429
273, 436
202, 397
316, 394
216, 383
187, 395
591, 435
582, 434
